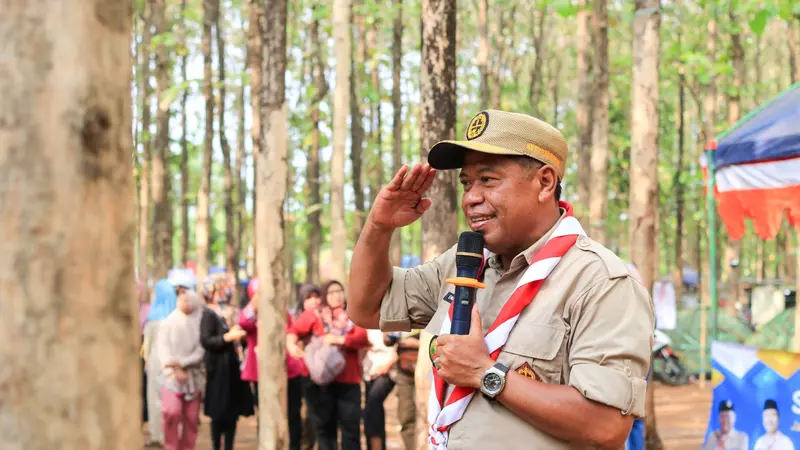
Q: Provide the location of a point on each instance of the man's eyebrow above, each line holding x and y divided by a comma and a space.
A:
481, 170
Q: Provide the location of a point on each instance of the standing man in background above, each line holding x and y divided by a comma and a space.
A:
568, 372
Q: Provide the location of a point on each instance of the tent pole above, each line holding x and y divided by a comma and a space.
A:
712, 235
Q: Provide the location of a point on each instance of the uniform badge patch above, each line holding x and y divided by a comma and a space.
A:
477, 125
432, 347
449, 297
527, 371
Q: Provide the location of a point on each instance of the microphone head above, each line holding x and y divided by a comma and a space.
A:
469, 252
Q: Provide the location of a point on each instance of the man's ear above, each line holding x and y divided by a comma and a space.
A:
548, 180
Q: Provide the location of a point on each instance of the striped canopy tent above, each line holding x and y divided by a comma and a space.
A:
754, 173
757, 168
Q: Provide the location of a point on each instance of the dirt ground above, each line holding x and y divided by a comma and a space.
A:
682, 413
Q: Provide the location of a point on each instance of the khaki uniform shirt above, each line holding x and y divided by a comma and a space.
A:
736, 440
590, 327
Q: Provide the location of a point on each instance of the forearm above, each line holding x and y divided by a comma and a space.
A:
563, 412
370, 275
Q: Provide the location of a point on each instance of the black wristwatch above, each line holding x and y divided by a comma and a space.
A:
493, 381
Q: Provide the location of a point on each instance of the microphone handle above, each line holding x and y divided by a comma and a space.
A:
464, 299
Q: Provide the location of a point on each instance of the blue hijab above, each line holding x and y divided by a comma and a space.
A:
164, 300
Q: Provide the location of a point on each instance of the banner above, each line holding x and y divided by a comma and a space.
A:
665, 305
756, 402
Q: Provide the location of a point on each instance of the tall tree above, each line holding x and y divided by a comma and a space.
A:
271, 186
231, 258
184, 141
437, 122
66, 318
583, 112
599, 155
793, 39
314, 198
482, 58
679, 189
376, 129
357, 60
203, 228
255, 27
535, 90
397, 110
161, 177
644, 163
341, 105
733, 248
144, 176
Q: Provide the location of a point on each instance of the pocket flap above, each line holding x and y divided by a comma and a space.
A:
537, 341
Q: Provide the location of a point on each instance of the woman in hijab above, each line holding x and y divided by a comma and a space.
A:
182, 371
227, 396
164, 301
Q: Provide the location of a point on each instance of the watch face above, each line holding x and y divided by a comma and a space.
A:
491, 382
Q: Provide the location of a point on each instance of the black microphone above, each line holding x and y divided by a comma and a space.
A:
469, 257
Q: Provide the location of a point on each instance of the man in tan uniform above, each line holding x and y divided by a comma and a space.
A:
578, 355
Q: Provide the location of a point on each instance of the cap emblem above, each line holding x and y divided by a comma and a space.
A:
477, 125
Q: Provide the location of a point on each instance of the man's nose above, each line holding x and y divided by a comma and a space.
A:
472, 197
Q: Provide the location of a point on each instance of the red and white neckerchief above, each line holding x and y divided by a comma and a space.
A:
443, 414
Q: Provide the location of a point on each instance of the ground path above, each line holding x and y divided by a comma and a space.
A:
682, 413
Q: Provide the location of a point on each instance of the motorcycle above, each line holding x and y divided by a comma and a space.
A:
667, 367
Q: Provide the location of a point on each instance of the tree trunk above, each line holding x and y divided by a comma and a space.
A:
733, 248
66, 319
679, 191
231, 260
271, 186
314, 199
599, 155
144, 176
482, 58
184, 148
793, 37
437, 122
555, 79
241, 187
202, 230
397, 119
341, 105
254, 49
583, 113
357, 61
535, 88
162, 180
376, 175
644, 162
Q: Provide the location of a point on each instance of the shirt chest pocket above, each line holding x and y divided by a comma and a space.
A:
536, 347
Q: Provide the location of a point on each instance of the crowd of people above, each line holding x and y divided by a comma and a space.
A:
199, 354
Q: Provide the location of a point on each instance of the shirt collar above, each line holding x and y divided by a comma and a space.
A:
526, 257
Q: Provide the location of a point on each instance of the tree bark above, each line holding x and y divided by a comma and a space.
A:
376, 129
144, 176
341, 105
357, 61
314, 199
482, 58
254, 49
66, 319
643, 201
202, 230
161, 178
733, 248
240, 181
583, 112
231, 260
184, 145
599, 155
271, 186
397, 118
437, 122
679, 191
536, 84
793, 38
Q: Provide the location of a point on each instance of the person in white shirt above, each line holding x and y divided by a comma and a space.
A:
773, 439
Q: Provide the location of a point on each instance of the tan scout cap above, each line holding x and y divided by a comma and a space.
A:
504, 133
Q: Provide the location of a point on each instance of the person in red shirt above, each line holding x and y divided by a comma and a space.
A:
337, 405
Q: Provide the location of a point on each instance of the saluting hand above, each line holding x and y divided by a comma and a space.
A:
401, 202
462, 360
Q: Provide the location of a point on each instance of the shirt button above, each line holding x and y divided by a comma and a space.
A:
584, 242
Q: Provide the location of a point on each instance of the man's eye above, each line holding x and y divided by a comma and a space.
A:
465, 183
485, 179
